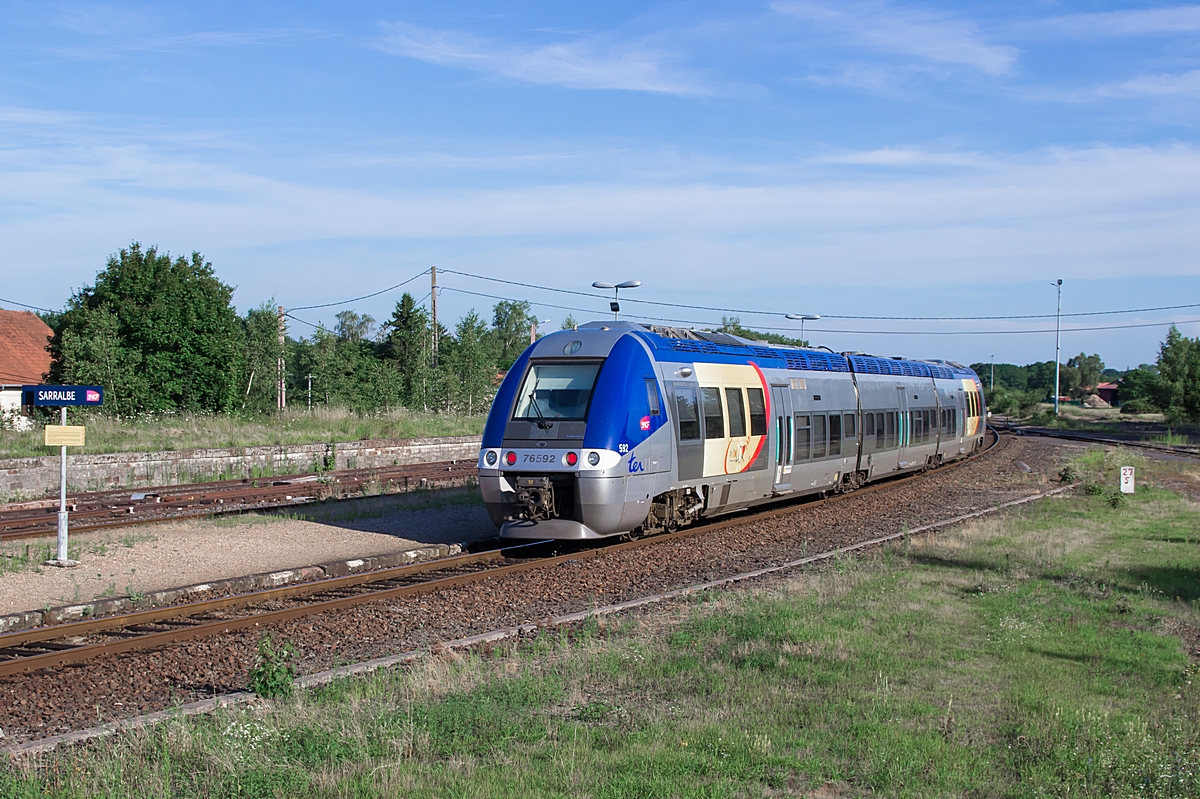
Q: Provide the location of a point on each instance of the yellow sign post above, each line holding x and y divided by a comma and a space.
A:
64, 435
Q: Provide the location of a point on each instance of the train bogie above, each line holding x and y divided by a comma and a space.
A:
617, 428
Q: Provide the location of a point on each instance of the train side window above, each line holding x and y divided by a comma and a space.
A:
802, 436
737, 412
890, 418
835, 434
880, 439
652, 396
687, 413
714, 415
818, 436
848, 426
928, 423
954, 422
758, 412
868, 425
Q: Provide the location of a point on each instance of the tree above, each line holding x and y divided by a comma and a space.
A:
471, 366
1089, 368
175, 319
354, 327
1178, 391
511, 321
569, 323
1140, 385
408, 349
258, 386
91, 353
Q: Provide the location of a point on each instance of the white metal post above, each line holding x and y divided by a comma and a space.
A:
62, 497
1057, 319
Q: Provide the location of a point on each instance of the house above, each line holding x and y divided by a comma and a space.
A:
23, 361
1108, 392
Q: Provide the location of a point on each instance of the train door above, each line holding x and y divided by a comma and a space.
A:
903, 427
781, 410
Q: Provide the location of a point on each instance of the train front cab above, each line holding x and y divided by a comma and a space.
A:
576, 442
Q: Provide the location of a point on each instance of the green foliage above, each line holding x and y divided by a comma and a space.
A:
165, 334
261, 369
1093, 489
1140, 385
510, 330
568, 323
1136, 406
1088, 369
1068, 474
1012, 402
1178, 389
1116, 500
272, 674
733, 326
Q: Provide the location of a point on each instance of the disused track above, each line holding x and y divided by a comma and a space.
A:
109, 509
1184, 450
76, 642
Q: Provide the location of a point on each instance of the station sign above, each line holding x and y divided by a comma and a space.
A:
61, 396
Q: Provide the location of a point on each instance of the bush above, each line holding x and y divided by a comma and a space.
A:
1116, 499
1139, 406
1093, 489
272, 674
1013, 402
1068, 474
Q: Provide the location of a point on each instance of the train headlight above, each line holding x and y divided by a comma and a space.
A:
594, 458
490, 458
572, 459
510, 458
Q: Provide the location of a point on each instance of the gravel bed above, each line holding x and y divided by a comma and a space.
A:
75, 697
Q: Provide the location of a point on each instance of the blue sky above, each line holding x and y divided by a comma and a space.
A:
848, 159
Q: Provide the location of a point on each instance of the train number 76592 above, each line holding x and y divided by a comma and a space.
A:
538, 457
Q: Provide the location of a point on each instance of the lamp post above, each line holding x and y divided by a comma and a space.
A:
615, 306
803, 317
993, 386
1057, 319
533, 326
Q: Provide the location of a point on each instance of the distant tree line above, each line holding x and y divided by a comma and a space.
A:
163, 335
1171, 385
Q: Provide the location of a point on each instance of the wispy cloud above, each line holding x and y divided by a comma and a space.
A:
1186, 84
909, 31
1135, 22
589, 62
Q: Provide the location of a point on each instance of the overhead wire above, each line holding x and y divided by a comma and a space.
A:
364, 297
823, 316
23, 305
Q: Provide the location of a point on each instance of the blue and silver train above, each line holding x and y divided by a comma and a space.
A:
617, 428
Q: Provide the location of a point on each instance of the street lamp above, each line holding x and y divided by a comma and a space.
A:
1057, 319
533, 326
993, 373
615, 306
803, 317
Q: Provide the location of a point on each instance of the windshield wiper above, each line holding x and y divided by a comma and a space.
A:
542, 423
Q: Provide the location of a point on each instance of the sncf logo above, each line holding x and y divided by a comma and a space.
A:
644, 423
92, 396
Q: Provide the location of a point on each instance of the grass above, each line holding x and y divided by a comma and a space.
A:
167, 432
1032, 655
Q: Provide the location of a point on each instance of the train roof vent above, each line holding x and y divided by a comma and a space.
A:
813, 361
724, 339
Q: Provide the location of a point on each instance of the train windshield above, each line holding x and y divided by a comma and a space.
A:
557, 391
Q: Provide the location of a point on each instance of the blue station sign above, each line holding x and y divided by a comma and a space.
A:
56, 396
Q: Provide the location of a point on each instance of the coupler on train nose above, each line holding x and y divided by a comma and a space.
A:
536, 496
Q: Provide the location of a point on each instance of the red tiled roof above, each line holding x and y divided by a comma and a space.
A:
1108, 385
23, 356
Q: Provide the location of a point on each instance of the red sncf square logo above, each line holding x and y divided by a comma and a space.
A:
645, 423
92, 396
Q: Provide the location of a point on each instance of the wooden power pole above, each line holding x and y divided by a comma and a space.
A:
433, 304
281, 387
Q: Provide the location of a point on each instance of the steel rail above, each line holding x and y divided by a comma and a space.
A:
1192, 450
63, 654
105, 510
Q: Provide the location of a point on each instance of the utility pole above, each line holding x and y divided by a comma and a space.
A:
1057, 329
433, 304
281, 388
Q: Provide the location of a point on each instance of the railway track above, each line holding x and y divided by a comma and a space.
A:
76, 642
121, 508
1186, 450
